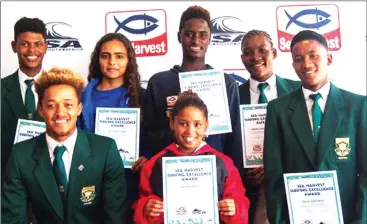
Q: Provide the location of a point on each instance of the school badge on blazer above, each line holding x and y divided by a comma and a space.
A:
88, 195
342, 148
171, 100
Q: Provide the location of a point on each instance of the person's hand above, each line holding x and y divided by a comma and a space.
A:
256, 176
138, 163
227, 207
153, 208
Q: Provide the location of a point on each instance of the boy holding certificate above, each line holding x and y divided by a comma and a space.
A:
263, 86
67, 175
194, 36
18, 95
318, 127
114, 82
189, 122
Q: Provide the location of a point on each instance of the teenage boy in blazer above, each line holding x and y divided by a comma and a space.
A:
30, 45
296, 142
65, 174
257, 56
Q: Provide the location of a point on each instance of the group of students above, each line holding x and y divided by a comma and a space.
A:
95, 187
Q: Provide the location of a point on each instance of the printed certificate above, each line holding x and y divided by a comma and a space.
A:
190, 189
313, 197
211, 87
27, 129
123, 125
253, 126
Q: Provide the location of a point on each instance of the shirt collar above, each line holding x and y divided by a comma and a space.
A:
23, 76
324, 91
271, 82
69, 143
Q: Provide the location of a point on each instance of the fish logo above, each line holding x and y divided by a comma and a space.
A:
148, 24
321, 18
146, 29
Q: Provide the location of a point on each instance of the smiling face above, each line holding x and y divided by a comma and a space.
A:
30, 48
113, 60
194, 38
310, 61
257, 56
60, 108
189, 125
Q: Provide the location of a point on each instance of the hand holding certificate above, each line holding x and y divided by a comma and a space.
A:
313, 197
123, 125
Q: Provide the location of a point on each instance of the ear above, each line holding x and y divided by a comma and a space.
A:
206, 125
80, 108
275, 53
329, 59
179, 37
13, 46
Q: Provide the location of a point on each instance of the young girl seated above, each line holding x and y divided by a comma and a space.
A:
189, 122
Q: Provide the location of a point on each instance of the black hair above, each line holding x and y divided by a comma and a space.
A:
194, 12
25, 24
189, 99
309, 35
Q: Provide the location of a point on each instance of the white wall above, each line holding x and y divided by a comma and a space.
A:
348, 70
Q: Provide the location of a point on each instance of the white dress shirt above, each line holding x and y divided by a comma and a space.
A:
324, 91
68, 154
23, 87
270, 91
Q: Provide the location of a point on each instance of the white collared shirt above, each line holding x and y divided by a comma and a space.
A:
68, 154
270, 91
324, 91
23, 87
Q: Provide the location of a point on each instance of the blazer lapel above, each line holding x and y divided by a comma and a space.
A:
330, 122
80, 166
301, 125
245, 94
283, 87
45, 177
14, 97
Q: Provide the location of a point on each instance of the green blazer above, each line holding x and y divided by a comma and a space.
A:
12, 108
289, 148
284, 86
95, 194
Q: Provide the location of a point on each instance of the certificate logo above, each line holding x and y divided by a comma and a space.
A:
240, 75
181, 211
306, 221
342, 148
323, 19
146, 29
198, 212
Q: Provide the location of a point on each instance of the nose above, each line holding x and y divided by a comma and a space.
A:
190, 129
60, 109
196, 38
112, 61
31, 48
256, 55
307, 62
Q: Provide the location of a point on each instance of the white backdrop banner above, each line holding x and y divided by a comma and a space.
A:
75, 27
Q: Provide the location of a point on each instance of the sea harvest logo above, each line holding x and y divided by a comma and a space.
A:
146, 29
323, 19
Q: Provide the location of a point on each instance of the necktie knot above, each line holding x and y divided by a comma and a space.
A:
315, 97
262, 86
59, 151
29, 82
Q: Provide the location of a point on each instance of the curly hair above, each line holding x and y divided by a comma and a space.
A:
194, 12
59, 76
131, 76
25, 24
253, 33
186, 99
